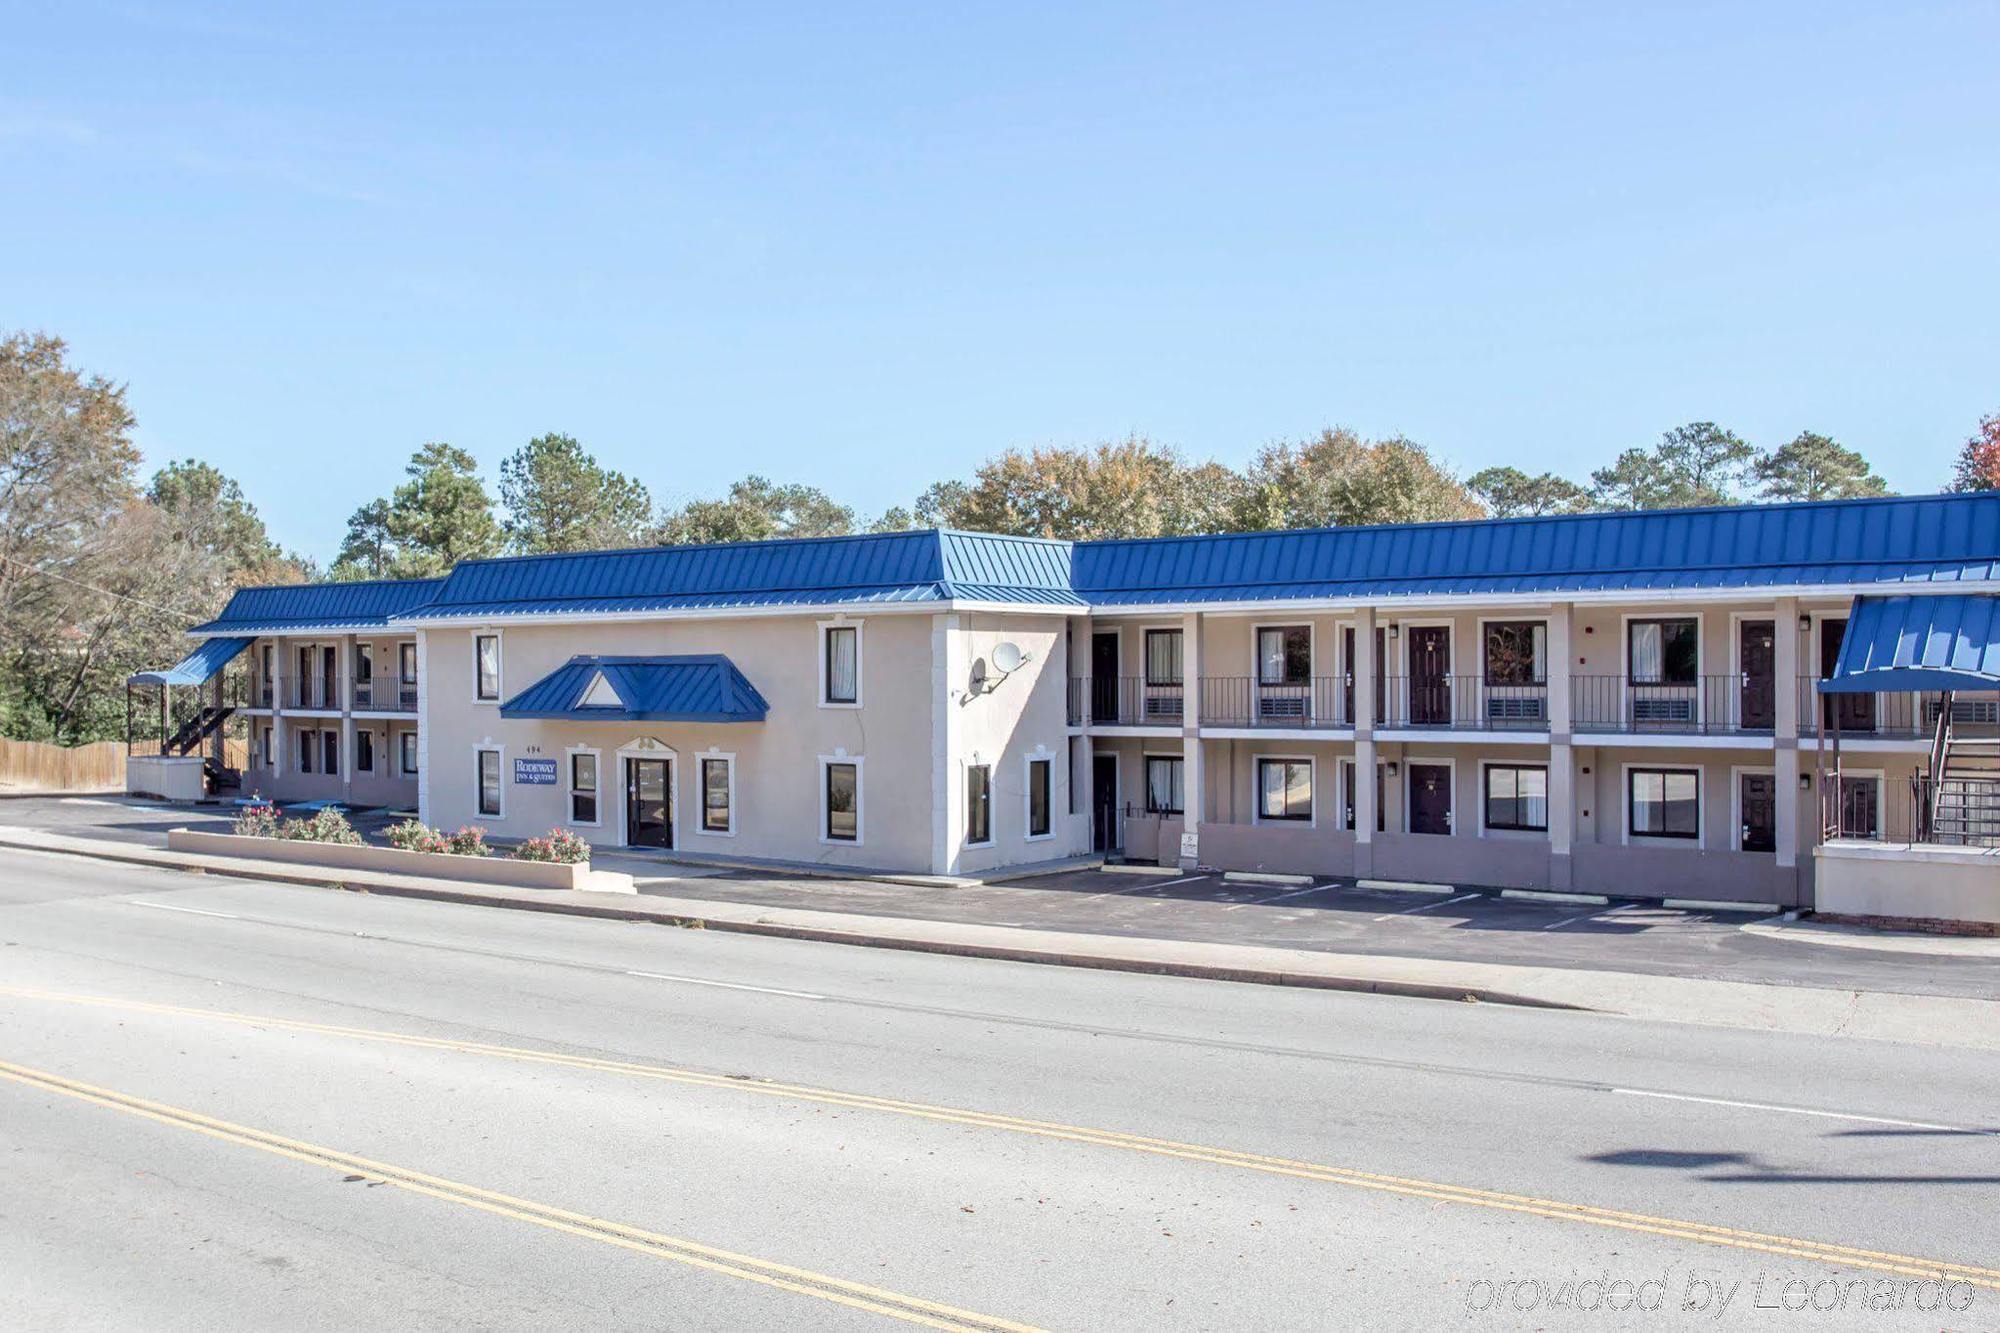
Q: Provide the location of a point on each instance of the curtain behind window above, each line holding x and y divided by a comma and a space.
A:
843, 662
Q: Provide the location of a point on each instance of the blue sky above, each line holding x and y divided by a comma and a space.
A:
867, 247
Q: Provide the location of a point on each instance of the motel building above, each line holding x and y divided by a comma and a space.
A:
1680, 703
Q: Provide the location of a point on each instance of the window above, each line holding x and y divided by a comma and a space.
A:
1860, 807
270, 755
1517, 653
1285, 789
1284, 655
840, 664
364, 661
1517, 797
329, 742
364, 752
303, 745
489, 783
409, 743
583, 787
978, 805
1164, 793
843, 801
718, 795
1163, 657
1663, 803
1070, 790
486, 666
406, 662
1041, 772
1662, 652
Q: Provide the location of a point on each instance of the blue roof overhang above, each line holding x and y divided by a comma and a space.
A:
1906, 642
696, 688
197, 666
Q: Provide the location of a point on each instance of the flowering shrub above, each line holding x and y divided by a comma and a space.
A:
257, 821
468, 841
560, 846
328, 825
414, 836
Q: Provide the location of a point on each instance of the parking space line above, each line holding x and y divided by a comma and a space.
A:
1426, 907
1569, 920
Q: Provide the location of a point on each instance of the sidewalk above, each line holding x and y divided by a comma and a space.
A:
1930, 1020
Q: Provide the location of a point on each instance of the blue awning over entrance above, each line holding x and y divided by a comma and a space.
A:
1919, 643
197, 666
705, 688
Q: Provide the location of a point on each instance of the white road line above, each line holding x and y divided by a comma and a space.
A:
1425, 907
1142, 888
1295, 893
191, 911
728, 985
1805, 1110
1569, 920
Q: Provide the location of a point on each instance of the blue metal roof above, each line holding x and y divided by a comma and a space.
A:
703, 688
1927, 539
1919, 643
208, 658
295, 607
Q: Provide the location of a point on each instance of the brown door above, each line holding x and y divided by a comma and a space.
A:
1757, 665
1104, 678
1430, 676
1430, 798
1104, 803
1856, 711
1759, 799
649, 820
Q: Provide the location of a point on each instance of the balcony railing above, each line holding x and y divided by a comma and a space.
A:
1702, 706
1245, 701
385, 694
1463, 703
1955, 811
311, 692
1125, 701
1895, 716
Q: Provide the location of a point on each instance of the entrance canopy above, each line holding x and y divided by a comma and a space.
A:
1919, 643
705, 688
197, 666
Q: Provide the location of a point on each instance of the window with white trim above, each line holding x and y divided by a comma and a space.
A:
583, 786
488, 771
1285, 790
364, 751
978, 805
486, 666
1041, 777
1164, 789
840, 651
1663, 802
408, 741
841, 801
718, 794
1517, 797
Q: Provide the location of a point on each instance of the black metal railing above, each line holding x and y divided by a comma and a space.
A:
322, 692
1463, 703
385, 694
1126, 701
1898, 715
1704, 705
1245, 701
1956, 811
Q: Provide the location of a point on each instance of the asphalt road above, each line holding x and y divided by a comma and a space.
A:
226, 1104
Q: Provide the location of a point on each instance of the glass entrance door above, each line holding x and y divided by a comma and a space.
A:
649, 820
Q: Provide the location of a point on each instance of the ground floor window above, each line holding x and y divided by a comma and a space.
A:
583, 787
489, 783
1071, 800
1040, 774
364, 752
978, 805
1164, 793
409, 743
842, 801
718, 795
270, 757
1663, 802
1285, 789
1517, 797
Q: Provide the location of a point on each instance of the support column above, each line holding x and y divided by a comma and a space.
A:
1790, 832
1562, 760
1194, 791
1365, 668
347, 745
276, 759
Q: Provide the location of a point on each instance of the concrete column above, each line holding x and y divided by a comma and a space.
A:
347, 654
1562, 760
945, 703
1562, 662
276, 759
1191, 776
1365, 668
1791, 830
424, 731
1785, 668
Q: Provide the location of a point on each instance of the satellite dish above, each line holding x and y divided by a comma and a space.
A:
1007, 657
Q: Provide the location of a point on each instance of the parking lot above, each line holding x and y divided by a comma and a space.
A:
1331, 915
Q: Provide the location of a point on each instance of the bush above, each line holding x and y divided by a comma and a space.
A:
414, 836
468, 841
257, 821
329, 825
560, 846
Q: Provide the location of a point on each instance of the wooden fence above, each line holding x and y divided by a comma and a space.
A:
100, 766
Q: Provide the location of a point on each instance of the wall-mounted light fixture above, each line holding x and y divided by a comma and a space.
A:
1805, 623
1392, 768
1805, 782
1394, 629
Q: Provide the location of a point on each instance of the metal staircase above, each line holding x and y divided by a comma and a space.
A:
197, 728
1958, 802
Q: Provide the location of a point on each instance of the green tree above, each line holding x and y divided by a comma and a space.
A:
1340, 479
208, 510
1509, 492
1696, 464
1978, 466
1813, 467
1123, 488
559, 499
1635, 480
756, 509
440, 516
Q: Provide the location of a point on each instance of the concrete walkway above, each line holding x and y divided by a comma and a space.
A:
1931, 1020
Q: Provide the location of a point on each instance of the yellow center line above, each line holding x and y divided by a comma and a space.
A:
745, 1267
1589, 1214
